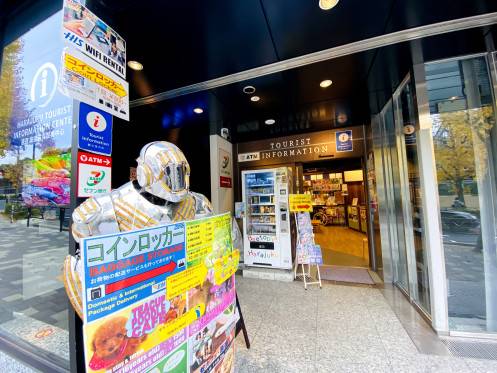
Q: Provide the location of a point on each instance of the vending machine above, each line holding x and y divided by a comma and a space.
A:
266, 222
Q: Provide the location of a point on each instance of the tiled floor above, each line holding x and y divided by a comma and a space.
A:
11, 365
337, 328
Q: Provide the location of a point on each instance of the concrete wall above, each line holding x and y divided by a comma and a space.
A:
222, 198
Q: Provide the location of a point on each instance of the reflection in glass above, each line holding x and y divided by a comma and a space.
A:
35, 141
463, 134
393, 190
421, 286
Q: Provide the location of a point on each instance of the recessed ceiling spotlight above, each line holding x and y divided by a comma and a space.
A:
270, 122
327, 4
325, 83
249, 90
198, 110
255, 98
135, 65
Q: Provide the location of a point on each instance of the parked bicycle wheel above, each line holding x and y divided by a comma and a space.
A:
322, 217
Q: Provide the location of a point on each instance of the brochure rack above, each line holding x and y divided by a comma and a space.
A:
308, 253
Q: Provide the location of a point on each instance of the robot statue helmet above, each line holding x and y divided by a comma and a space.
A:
163, 171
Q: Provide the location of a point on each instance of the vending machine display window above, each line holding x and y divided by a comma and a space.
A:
267, 239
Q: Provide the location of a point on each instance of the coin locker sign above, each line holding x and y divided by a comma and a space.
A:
85, 80
94, 174
300, 202
141, 291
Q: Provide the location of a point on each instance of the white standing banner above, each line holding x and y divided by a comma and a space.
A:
83, 30
85, 80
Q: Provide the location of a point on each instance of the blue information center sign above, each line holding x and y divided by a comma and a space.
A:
344, 141
95, 130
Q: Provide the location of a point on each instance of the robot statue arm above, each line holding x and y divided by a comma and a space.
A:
203, 206
82, 217
93, 217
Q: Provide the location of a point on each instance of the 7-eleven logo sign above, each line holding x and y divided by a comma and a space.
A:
95, 178
94, 174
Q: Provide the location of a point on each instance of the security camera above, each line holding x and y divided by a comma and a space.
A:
225, 133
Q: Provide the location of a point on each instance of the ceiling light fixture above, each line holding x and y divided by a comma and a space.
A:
249, 90
325, 83
327, 4
270, 122
198, 110
135, 65
255, 98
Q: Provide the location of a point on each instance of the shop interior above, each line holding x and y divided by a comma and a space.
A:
339, 215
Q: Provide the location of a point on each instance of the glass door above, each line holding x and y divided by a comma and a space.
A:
394, 199
416, 255
403, 196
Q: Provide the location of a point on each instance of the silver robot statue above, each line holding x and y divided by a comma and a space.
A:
160, 195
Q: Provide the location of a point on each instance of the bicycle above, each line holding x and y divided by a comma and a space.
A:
326, 215
322, 216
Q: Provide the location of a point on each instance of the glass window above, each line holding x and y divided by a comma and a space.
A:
463, 117
261, 205
35, 169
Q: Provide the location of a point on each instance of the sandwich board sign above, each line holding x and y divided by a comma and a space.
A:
300, 202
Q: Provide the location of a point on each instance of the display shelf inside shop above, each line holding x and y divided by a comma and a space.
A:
324, 190
353, 217
363, 218
336, 214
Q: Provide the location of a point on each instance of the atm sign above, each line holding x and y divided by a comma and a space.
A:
247, 157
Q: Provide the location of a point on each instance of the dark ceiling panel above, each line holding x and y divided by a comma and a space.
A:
300, 26
145, 126
391, 64
413, 13
293, 98
184, 42
454, 44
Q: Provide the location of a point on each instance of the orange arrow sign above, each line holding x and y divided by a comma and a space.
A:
303, 206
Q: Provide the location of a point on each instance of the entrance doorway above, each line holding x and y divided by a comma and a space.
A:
339, 214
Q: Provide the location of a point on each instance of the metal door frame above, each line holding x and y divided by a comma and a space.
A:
405, 193
391, 219
411, 291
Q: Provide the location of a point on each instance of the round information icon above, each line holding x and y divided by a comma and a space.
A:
343, 137
96, 121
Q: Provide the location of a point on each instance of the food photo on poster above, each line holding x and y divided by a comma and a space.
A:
35, 120
210, 345
47, 180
